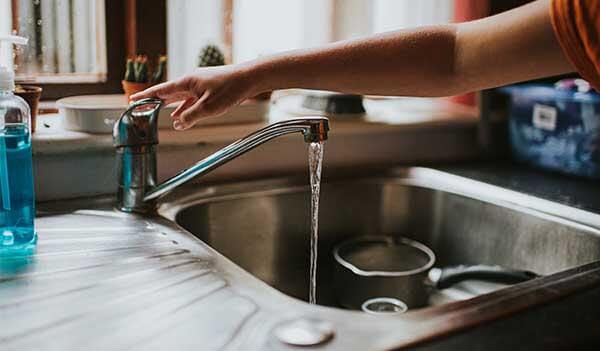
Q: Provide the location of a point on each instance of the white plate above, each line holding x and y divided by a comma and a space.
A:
98, 113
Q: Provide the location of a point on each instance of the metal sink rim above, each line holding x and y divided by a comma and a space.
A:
428, 178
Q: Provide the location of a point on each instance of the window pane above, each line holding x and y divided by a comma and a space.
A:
362, 17
265, 26
67, 40
398, 14
352, 18
191, 24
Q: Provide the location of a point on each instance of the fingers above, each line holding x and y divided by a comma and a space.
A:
155, 91
183, 106
185, 119
204, 107
168, 92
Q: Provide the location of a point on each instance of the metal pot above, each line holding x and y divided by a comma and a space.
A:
382, 266
393, 274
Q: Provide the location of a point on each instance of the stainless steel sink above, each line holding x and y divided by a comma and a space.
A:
104, 279
263, 226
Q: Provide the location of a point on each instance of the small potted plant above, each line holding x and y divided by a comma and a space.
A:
137, 75
211, 55
31, 94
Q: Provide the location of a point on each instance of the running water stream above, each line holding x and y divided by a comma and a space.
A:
315, 161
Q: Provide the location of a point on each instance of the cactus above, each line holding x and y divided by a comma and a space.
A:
137, 70
141, 74
129, 71
161, 70
211, 55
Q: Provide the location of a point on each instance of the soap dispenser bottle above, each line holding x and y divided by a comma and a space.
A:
17, 200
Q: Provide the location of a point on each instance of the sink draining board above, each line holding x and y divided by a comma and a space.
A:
100, 280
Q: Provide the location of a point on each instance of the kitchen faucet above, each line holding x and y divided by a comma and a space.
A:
135, 137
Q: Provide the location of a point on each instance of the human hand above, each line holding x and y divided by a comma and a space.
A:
208, 92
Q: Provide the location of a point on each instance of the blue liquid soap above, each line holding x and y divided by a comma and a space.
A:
17, 202
16, 221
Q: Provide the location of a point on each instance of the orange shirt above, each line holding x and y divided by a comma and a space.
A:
577, 27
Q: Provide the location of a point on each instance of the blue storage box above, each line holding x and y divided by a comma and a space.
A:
556, 127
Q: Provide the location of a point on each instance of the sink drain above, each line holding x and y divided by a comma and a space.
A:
384, 305
304, 332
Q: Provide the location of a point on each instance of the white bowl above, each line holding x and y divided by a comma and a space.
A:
98, 113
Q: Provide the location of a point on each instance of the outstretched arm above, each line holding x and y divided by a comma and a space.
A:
430, 61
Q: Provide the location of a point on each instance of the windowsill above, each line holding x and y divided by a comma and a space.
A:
66, 78
51, 138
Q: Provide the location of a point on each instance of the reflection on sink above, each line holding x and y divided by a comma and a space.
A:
263, 226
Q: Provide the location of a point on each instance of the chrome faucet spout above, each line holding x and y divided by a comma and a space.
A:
314, 129
136, 156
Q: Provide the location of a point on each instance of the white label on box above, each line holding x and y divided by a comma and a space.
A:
544, 117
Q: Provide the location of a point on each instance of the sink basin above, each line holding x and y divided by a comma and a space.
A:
263, 226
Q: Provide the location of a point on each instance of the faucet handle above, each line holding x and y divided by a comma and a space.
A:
138, 125
135, 106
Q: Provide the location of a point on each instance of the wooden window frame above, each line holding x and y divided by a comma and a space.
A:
131, 28
227, 29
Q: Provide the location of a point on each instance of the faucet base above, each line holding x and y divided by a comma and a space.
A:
136, 167
149, 208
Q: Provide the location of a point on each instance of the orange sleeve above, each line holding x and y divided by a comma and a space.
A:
577, 27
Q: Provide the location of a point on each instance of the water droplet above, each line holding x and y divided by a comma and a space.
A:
39, 22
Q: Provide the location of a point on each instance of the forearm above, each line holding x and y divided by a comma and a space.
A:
413, 62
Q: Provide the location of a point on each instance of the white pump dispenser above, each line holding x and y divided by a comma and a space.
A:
7, 74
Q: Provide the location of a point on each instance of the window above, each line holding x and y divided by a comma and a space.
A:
78, 46
392, 15
260, 27
191, 25
67, 40
267, 26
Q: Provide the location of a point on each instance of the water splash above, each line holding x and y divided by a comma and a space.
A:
315, 162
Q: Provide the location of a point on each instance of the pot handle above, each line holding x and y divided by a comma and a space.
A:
442, 278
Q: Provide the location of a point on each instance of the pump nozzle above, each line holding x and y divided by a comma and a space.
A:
7, 74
